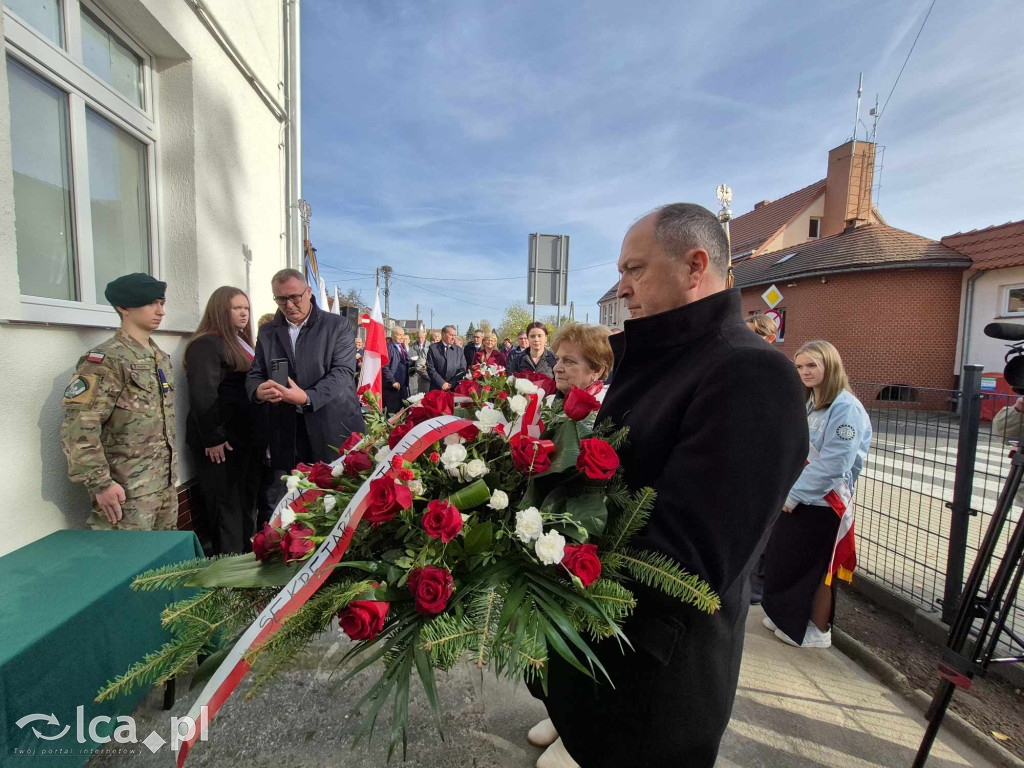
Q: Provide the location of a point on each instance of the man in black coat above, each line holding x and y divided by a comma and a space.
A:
446, 363
395, 375
318, 409
702, 396
473, 347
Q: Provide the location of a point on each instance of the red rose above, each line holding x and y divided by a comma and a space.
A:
303, 468
398, 433
397, 462
386, 499
363, 619
579, 404
530, 455
431, 587
438, 403
363, 389
582, 561
477, 375
266, 542
434, 457
405, 475
357, 462
442, 521
467, 388
543, 382
469, 433
296, 544
597, 459
485, 388
352, 442
503, 395
320, 475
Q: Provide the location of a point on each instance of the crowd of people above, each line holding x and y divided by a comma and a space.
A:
693, 379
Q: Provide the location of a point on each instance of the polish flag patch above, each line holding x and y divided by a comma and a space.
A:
95, 357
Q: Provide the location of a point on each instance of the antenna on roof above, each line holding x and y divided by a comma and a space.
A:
874, 114
860, 90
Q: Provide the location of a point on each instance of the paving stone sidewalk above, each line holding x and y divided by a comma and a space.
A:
794, 709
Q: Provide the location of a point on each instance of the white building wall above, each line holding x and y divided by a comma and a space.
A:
220, 216
988, 307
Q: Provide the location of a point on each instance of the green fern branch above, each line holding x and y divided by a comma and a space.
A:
661, 572
171, 576
631, 520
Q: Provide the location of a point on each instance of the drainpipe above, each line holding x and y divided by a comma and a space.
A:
968, 311
293, 134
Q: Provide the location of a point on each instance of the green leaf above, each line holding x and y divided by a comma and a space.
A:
209, 666
471, 496
567, 448
589, 510
243, 571
554, 502
479, 538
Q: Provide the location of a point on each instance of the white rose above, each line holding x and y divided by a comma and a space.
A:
550, 548
382, 455
511, 381
292, 483
338, 469
455, 470
287, 517
499, 501
518, 404
474, 469
329, 503
416, 487
415, 398
453, 456
487, 419
525, 387
529, 524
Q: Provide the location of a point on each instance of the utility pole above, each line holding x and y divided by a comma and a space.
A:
386, 271
417, 317
431, 319
572, 311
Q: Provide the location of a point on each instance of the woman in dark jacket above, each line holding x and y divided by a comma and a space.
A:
221, 429
536, 358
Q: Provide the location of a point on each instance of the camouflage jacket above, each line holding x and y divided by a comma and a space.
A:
119, 418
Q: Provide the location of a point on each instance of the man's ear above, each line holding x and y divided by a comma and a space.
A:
771, 338
699, 262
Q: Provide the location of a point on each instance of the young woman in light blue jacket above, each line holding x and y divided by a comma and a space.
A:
799, 595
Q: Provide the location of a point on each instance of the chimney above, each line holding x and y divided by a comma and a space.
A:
851, 175
762, 204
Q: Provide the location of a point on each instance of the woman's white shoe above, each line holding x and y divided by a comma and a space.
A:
769, 624
556, 757
543, 734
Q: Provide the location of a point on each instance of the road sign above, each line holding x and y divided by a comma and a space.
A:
779, 316
548, 281
772, 297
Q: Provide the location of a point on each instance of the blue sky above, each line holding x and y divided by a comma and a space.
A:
438, 135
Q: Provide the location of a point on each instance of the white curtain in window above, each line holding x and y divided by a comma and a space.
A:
42, 185
118, 189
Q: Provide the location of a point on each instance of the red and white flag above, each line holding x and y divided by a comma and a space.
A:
375, 350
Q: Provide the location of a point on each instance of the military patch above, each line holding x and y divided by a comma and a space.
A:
81, 390
95, 357
846, 432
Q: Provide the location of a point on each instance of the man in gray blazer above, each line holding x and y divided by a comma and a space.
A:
315, 413
446, 363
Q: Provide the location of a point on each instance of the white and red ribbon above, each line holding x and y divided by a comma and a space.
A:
310, 575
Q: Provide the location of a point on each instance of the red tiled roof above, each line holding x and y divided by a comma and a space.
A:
992, 247
872, 246
751, 230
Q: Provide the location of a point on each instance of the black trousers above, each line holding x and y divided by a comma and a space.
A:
796, 561
274, 489
229, 497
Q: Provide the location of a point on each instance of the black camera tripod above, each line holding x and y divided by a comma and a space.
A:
968, 654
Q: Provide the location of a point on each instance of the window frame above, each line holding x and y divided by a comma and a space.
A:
64, 68
1004, 304
817, 235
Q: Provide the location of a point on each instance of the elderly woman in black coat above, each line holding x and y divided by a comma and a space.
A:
697, 389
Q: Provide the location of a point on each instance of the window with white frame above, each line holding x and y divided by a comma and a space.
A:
1013, 300
83, 134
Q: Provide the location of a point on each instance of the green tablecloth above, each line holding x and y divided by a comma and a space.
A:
68, 624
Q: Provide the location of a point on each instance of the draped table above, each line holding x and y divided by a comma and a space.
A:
68, 624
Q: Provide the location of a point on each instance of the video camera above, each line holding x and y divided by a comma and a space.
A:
1014, 370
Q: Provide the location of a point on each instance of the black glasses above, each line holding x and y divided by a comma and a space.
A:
295, 298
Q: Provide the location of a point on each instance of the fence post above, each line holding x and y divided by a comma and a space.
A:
963, 488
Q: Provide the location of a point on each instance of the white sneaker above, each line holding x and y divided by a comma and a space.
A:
543, 734
556, 757
813, 637
769, 624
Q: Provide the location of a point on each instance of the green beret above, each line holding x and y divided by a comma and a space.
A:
134, 290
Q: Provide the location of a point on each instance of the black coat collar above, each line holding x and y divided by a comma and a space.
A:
679, 326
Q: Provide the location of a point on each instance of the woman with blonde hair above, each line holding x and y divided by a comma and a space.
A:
813, 539
221, 429
489, 354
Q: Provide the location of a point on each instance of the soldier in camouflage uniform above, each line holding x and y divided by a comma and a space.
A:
118, 430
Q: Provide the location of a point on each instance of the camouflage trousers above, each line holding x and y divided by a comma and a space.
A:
152, 512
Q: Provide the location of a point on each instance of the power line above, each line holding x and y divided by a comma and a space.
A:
919, 31
447, 296
483, 279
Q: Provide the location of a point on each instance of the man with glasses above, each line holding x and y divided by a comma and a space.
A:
317, 409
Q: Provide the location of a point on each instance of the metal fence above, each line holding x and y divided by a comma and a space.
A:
931, 448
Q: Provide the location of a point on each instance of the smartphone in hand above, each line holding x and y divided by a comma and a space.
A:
279, 371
